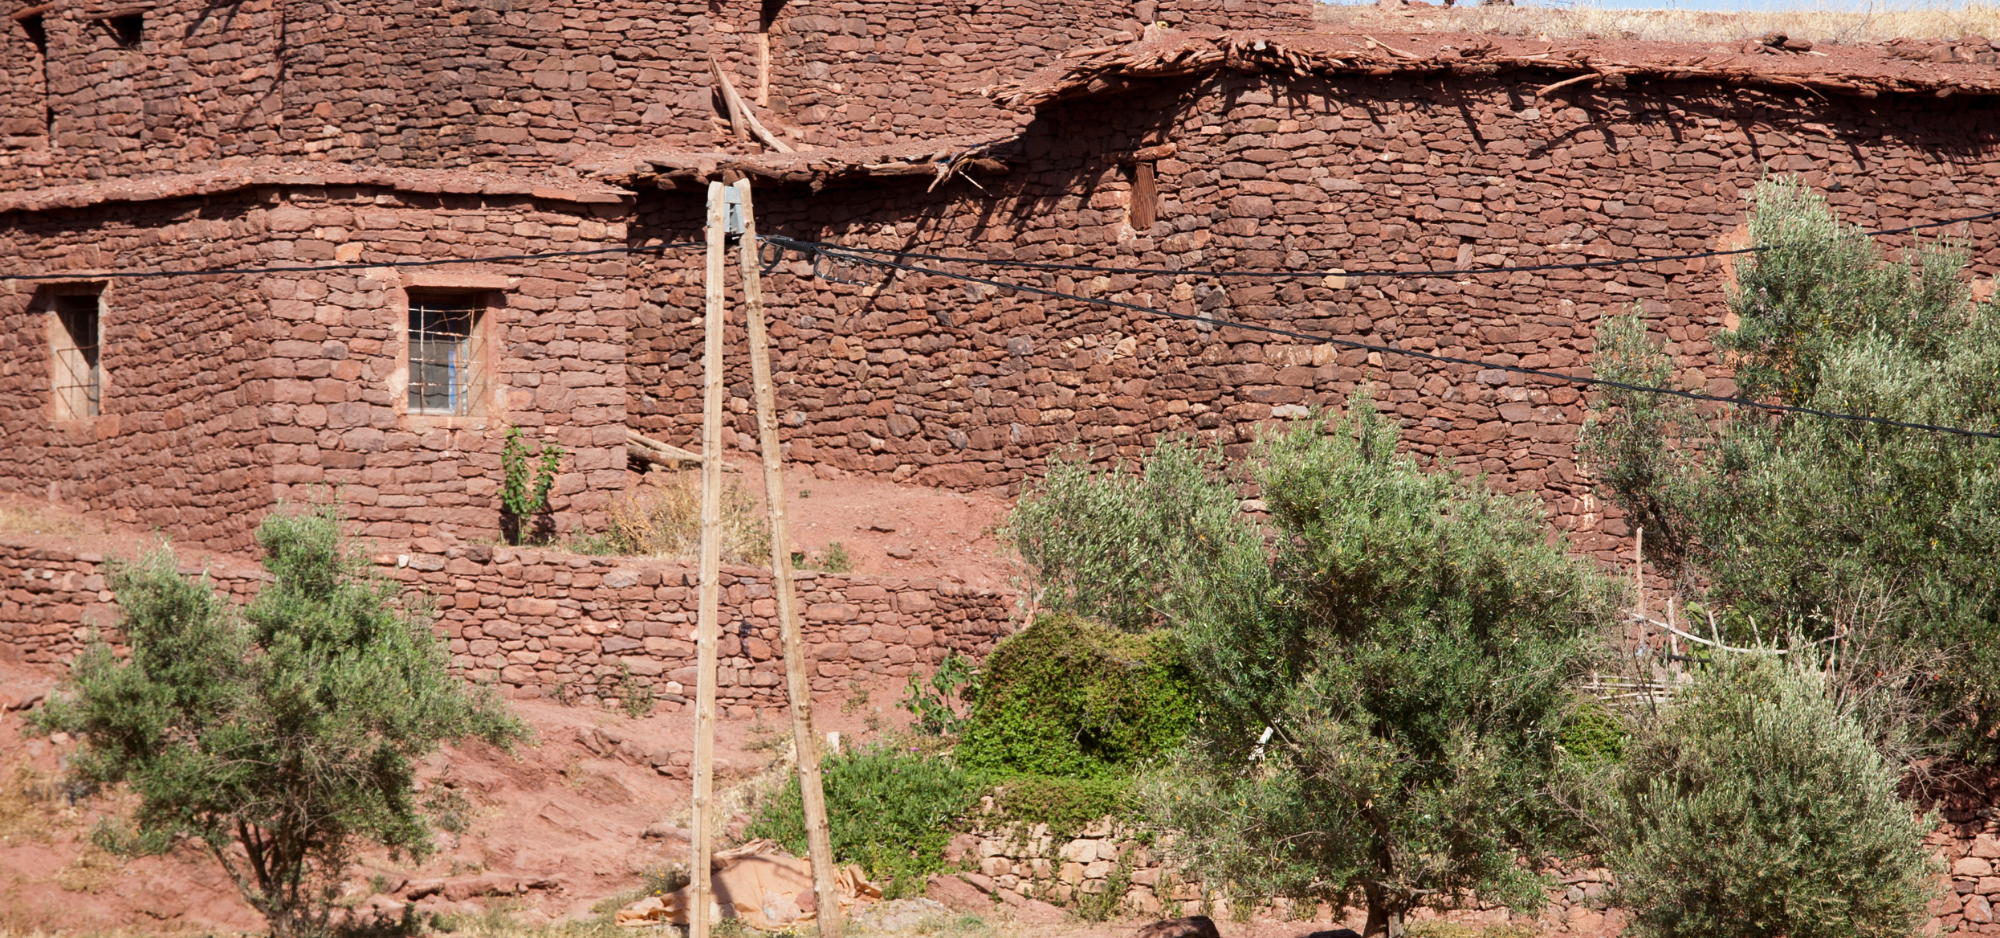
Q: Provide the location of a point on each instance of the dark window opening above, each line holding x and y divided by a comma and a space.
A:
771, 11
38, 32
79, 379
445, 352
130, 28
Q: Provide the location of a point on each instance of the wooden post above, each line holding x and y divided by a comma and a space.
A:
798, 684
711, 574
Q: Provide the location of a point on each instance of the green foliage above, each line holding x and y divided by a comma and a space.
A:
891, 810
837, 559
1105, 544
524, 489
1066, 805
939, 704
280, 735
1759, 807
1069, 698
1385, 684
1882, 535
1593, 737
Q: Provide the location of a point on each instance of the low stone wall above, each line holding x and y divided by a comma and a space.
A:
546, 623
542, 623
1019, 868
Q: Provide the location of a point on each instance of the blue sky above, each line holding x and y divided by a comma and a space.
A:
1842, 5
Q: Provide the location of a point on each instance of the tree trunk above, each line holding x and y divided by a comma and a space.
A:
1385, 914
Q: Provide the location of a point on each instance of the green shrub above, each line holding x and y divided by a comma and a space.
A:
280, 736
524, 491
1758, 807
1593, 737
1105, 544
1069, 698
1066, 805
1384, 684
1794, 522
890, 810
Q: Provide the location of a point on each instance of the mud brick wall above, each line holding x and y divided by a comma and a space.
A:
548, 624
962, 385
179, 441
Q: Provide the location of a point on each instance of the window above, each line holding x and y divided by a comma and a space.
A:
75, 340
446, 352
128, 28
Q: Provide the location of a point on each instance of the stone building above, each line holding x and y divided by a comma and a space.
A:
149, 150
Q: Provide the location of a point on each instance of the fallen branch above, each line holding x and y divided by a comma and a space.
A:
665, 455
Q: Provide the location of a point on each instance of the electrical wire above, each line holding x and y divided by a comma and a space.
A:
1591, 381
357, 265
1386, 274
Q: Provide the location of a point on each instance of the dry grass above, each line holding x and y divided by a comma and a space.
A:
32, 519
664, 520
1585, 21
31, 805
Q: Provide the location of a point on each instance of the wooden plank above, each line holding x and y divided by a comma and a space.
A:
711, 573
740, 115
1145, 198
798, 683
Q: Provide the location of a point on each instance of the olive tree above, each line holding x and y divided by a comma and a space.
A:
278, 735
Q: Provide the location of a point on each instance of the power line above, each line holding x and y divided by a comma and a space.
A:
813, 247
358, 265
1385, 274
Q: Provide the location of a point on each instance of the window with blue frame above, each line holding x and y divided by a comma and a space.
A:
445, 352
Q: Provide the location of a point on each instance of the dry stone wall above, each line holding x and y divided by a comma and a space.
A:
499, 85
881, 73
223, 394
944, 382
588, 629
178, 442
1013, 867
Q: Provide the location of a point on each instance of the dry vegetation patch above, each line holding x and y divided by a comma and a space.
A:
1587, 21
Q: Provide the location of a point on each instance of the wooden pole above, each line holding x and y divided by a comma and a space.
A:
711, 574
798, 684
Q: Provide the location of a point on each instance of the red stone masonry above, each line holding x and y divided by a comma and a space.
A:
224, 394
490, 85
944, 382
587, 629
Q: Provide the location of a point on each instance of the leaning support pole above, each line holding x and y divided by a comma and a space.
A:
711, 573
798, 684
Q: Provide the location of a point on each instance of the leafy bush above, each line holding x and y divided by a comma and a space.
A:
939, 704
1384, 684
1758, 807
891, 810
1794, 522
524, 491
279, 735
1066, 805
1071, 699
1104, 544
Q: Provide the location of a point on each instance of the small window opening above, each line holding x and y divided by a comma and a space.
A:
445, 352
79, 379
38, 32
130, 28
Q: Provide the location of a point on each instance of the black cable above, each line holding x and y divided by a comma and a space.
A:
815, 247
1413, 272
146, 274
